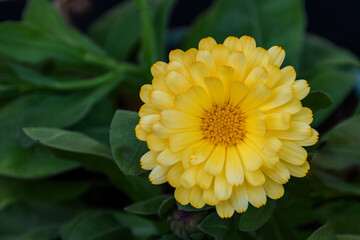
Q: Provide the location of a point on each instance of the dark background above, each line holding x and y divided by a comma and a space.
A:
337, 21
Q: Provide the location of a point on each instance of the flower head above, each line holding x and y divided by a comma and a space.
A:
225, 125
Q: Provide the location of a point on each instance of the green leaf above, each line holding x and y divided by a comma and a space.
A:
320, 55
147, 33
43, 15
60, 110
338, 184
337, 84
93, 156
254, 218
68, 141
161, 19
347, 237
255, 18
27, 43
26, 220
140, 227
325, 232
169, 237
317, 100
96, 226
165, 208
189, 208
148, 207
15, 190
33, 162
215, 226
118, 30
341, 149
126, 148
278, 228
35, 78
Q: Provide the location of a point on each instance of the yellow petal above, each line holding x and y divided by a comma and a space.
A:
274, 74
163, 132
256, 195
304, 115
203, 179
226, 75
176, 82
189, 57
181, 69
158, 175
188, 178
174, 174
297, 131
156, 144
237, 61
207, 43
273, 189
239, 199
215, 89
279, 173
159, 69
140, 133
159, 84
202, 152
248, 44
258, 57
224, 209
277, 55
162, 99
255, 126
269, 158
179, 141
292, 106
256, 76
297, 170
278, 121
196, 197
268, 144
238, 91
168, 158
250, 159
256, 96
215, 162
188, 105
220, 54
288, 76
209, 196
232, 43
148, 121
147, 109
148, 160
255, 178
178, 119
301, 89
199, 71
293, 153
176, 55
234, 169
182, 195
199, 95
309, 141
279, 96
206, 57
145, 93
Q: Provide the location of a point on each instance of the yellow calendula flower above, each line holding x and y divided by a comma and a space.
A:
225, 125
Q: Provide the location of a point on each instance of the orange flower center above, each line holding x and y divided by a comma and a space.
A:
223, 125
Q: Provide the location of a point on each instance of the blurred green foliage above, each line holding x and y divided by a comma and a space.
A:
61, 143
